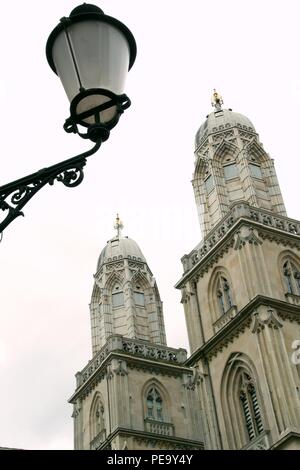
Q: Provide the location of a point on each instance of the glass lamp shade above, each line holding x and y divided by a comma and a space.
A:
91, 52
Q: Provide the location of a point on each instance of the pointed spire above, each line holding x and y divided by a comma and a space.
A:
118, 226
216, 100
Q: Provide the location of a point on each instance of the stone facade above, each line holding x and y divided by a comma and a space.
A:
241, 293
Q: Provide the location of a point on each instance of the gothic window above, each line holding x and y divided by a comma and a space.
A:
99, 418
97, 421
224, 295
117, 297
230, 171
154, 405
139, 298
209, 184
255, 171
242, 402
291, 276
250, 407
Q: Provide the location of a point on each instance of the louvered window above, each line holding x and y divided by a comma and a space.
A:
250, 407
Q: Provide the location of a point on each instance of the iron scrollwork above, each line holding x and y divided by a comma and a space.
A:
14, 196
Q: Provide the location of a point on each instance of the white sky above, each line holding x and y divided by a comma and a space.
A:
249, 51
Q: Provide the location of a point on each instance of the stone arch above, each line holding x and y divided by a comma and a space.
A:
253, 149
96, 416
141, 289
164, 394
235, 418
114, 288
227, 171
202, 166
226, 149
156, 292
113, 278
96, 296
219, 275
139, 277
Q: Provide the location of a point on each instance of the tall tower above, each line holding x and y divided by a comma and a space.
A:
136, 392
241, 291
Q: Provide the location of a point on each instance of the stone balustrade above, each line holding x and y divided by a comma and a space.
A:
159, 427
292, 298
226, 318
151, 351
131, 346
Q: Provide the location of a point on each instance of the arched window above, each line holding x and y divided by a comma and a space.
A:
139, 296
291, 276
242, 402
250, 406
99, 418
154, 405
117, 296
223, 294
97, 422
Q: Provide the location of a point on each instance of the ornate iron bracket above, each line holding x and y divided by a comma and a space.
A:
14, 196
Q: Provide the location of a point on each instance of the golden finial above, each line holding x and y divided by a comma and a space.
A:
118, 225
216, 100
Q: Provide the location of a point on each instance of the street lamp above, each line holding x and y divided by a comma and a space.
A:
91, 53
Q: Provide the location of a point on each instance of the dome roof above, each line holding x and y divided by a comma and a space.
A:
120, 247
221, 120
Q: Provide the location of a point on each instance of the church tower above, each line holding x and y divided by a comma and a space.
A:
241, 291
135, 393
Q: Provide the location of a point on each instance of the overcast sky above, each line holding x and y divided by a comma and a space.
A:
248, 51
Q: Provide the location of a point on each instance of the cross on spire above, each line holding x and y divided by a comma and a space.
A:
118, 226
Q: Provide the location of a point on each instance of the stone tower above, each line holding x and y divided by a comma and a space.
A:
135, 392
241, 292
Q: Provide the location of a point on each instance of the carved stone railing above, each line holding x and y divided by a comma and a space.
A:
151, 351
98, 440
292, 298
92, 365
261, 442
159, 427
131, 346
225, 318
238, 211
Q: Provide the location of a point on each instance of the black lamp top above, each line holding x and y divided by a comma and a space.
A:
87, 11
86, 8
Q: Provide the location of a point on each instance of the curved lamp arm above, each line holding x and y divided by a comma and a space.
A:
14, 196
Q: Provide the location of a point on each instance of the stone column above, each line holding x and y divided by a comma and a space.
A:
277, 368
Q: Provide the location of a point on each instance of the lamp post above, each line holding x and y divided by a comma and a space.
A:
91, 53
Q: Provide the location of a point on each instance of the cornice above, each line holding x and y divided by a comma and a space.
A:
268, 225
288, 435
133, 362
239, 323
